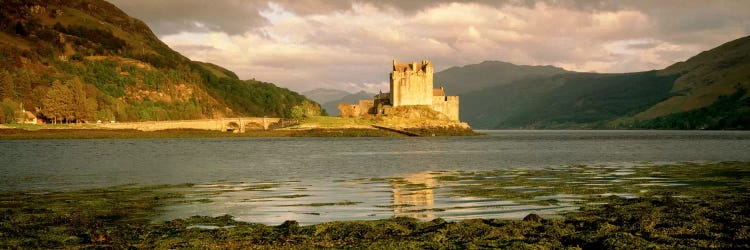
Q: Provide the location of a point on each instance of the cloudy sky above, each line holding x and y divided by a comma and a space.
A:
349, 45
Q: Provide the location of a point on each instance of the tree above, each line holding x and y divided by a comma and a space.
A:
298, 112
23, 80
306, 109
83, 107
57, 103
9, 109
7, 87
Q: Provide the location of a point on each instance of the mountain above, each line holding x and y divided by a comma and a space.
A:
461, 80
571, 100
705, 77
332, 109
323, 95
707, 91
86, 60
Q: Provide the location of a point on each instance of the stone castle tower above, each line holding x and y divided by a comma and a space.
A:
411, 84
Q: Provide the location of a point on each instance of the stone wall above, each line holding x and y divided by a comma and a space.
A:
348, 110
366, 107
447, 105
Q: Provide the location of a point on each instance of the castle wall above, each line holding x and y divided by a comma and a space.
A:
411, 84
348, 110
447, 105
366, 107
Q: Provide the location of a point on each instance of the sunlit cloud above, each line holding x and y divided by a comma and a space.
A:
349, 45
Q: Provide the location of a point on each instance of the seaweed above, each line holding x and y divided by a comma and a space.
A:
665, 216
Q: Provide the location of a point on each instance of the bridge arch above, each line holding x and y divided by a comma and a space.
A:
255, 126
233, 126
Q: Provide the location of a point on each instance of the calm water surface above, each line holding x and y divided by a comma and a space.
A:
298, 178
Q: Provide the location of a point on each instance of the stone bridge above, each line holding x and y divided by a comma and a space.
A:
238, 124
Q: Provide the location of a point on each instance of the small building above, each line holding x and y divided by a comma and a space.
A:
25, 117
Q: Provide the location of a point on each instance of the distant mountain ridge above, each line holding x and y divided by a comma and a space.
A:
473, 77
324, 95
86, 60
682, 96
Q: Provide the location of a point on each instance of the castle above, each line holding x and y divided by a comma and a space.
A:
411, 84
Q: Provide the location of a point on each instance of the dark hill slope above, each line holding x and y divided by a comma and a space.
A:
686, 95
572, 100
84, 60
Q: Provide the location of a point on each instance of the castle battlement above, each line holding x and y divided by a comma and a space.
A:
423, 67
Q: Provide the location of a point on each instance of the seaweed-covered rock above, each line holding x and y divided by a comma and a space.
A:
533, 218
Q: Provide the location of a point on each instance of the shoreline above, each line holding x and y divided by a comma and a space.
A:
102, 133
711, 212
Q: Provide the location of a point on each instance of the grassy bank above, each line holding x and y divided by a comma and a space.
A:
330, 128
74, 133
712, 211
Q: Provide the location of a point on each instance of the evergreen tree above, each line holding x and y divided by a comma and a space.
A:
7, 88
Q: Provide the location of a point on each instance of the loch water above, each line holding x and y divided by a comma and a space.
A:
312, 180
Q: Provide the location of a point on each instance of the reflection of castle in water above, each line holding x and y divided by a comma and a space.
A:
415, 196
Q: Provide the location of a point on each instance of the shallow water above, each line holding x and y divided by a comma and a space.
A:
310, 202
275, 179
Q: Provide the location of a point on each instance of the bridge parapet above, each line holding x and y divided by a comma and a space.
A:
238, 124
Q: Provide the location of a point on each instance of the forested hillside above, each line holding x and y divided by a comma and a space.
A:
86, 60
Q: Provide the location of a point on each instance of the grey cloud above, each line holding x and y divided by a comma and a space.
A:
645, 45
315, 6
237, 16
194, 48
412, 6
173, 16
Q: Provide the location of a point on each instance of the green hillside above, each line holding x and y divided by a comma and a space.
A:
86, 60
217, 70
707, 91
705, 77
727, 112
